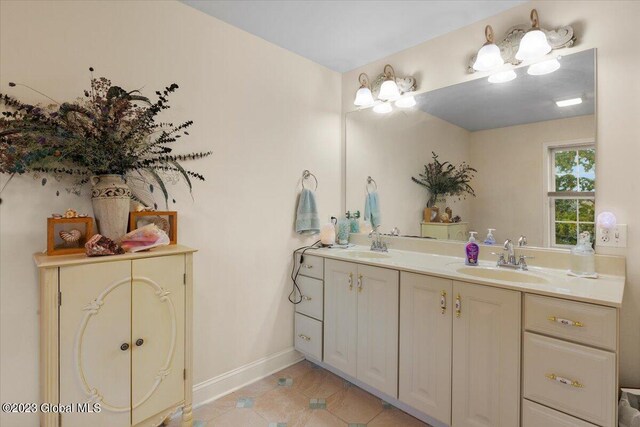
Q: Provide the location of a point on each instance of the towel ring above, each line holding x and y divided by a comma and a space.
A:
371, 181
305, 175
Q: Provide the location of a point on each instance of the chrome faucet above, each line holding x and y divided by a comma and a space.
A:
522, 241
377, 244
510, 261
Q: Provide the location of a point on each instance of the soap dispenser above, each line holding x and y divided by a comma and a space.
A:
583, 259
472, 250
490, 240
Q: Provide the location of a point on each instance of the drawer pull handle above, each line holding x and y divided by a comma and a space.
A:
308, 266
304, 337
443, 301
565, 381
350, 281
359, 282
565, 321
306, 298
458, 306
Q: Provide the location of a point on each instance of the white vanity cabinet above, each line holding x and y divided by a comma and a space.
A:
361, 323
116, 331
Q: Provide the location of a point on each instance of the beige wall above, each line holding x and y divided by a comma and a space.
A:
608, 26
266, 114
392, 148
510, 187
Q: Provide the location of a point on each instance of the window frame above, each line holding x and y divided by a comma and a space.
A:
549, 192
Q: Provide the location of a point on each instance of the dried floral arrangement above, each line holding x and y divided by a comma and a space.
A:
445, 179
108, 131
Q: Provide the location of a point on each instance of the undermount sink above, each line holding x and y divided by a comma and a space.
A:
368, 254
506, 275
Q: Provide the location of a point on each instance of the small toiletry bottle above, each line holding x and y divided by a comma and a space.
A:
472, 250
583, 260
355, 222
490, 240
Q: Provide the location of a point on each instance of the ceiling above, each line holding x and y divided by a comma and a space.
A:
478, 104
343, 35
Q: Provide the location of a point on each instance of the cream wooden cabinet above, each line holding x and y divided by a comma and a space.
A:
116, 331
425, 344
361, 323
486, 356
445, 231
310, 311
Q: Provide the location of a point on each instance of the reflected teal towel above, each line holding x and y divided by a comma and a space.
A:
372, 209
307, 220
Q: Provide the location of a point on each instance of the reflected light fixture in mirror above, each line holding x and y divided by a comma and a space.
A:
502, 76
363, 95
489, 56
534, 44
544, 67
382, 108
389, 88
406, 102
569, 102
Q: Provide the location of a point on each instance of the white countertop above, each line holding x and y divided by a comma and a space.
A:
605, 290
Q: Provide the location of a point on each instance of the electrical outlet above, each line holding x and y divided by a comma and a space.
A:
615, 237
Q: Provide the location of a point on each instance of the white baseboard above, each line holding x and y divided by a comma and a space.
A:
235, 379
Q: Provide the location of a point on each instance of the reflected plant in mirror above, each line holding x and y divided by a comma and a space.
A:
445, 179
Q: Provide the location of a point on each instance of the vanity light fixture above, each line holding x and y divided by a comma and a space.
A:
363, 95
382, 108
568, 103
544, 67
406, 102
534, 44
389, 89
502, 76
489, 56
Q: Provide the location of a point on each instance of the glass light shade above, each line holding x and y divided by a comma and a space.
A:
606, 220
502, 76
488, 58
363, 97
544, 67
533, 45
383, 108
389, 90
406, 102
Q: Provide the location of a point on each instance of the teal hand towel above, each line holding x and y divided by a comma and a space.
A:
372, 209
307, 220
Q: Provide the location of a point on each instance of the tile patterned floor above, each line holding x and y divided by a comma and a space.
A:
301, 395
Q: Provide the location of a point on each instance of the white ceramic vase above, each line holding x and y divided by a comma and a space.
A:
111, 197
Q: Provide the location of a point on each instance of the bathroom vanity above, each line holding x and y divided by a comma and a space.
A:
459, 347
115, 331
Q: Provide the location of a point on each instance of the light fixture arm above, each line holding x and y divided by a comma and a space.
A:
488, 34
535, 22
363, 78
389, 73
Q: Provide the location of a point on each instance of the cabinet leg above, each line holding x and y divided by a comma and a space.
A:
187, 416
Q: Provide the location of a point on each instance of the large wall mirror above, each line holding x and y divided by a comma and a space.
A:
531, 141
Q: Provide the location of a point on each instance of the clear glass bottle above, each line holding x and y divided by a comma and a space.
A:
583, 257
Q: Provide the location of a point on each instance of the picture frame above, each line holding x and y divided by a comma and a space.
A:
68, 235
165, 220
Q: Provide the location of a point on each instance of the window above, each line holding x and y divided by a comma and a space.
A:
572, 193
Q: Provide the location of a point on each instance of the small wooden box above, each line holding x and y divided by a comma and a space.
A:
57, 245
165, 220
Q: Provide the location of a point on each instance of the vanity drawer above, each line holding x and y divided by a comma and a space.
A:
576, 321
312, 266
312, 293
534, 415
591, 391
308, 338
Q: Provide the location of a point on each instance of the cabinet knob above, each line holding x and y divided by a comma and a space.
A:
139, 342
124, 347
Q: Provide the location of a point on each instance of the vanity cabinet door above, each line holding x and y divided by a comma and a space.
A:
340, 315
157, 335
378, 328
425, 344
486, 356
95, 343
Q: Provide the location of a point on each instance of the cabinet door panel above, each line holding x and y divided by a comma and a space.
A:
340, 316
157, 362
95, 321
378, 328
425, 344
486, 357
